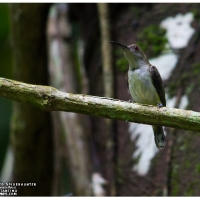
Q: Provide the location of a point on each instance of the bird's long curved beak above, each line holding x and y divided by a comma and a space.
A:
120, 45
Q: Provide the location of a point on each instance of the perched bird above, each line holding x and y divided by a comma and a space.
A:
145, 84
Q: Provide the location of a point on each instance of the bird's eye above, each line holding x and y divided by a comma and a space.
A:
136, 47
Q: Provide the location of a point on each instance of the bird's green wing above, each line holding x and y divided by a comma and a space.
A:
157, 83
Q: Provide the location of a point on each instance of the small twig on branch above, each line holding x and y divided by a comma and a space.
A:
48, 98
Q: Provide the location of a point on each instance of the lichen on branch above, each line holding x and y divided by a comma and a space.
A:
48, 98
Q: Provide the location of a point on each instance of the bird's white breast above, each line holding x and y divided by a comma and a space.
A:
141, 87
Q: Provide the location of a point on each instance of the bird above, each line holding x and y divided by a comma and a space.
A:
145, 84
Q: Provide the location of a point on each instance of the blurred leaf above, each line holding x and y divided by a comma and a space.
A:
152, 39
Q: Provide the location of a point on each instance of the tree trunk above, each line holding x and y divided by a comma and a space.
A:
31, 128
108, 85
67, 73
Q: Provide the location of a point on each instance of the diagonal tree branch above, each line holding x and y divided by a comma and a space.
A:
48, 98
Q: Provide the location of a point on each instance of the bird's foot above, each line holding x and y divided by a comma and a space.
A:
159, 105
131, 101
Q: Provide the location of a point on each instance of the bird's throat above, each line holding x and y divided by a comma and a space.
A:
135, 62
138, 64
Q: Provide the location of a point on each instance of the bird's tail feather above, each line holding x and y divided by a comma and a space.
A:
159, 136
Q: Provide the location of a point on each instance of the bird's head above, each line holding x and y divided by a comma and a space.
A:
133, 54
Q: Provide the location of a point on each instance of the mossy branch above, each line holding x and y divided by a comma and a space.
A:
50, 99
